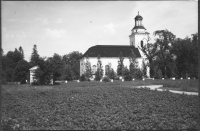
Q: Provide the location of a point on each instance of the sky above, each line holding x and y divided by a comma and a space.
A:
65, 26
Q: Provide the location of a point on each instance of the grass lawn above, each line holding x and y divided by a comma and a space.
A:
95, 105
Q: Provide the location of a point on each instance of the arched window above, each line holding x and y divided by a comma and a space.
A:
141, 43
94, 69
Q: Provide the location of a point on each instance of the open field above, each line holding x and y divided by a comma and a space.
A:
95, 105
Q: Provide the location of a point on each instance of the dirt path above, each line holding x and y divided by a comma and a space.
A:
156, 87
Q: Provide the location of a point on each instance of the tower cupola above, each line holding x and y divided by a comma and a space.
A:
138, 17
139, 35
138, 24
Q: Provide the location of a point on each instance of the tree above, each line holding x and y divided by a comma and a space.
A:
150, 51
3, 67
88, 70
8, 66
99, 72
157, 73
67, 73
185, 52
120, 67
144, 68
21, 71
43, 75
17, 56
13, 57
163, 42
9, 63
34, 57
109, 71
72, 59
56, 66
133, 63
8, 73
194, 56
127, 75
21, 52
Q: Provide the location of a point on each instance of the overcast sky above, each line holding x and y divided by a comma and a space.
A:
65, 26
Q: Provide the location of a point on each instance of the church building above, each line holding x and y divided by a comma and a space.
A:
109, 54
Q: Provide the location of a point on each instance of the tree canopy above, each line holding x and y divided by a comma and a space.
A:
167, 57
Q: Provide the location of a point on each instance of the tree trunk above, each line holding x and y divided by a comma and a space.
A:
151, 68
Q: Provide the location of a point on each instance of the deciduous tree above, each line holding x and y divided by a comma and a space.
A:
72, 59
133, 63
163, 42
21, 71
88, 70
99, 72
56, 66
110, 72
43, 75
150, 51
120, 67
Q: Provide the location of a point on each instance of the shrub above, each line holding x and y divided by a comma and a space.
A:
116, 78
127, 75
158, 74
3, 81
138, 74
111, 74
23, 81
106, 79
35, 83
83, 77
97, 77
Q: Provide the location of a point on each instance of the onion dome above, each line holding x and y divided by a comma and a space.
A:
138, 17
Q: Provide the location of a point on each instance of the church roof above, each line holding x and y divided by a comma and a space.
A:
138, 27
111, 51
34, 68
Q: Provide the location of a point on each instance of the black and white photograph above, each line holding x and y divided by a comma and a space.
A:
99, 65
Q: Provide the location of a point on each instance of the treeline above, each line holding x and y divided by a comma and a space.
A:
172, 57
168, 57
16, 69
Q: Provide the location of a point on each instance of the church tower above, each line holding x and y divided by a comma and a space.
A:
139, 36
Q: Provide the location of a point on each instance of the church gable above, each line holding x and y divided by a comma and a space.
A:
111, 51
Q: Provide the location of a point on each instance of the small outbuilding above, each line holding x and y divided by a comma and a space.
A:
32, 71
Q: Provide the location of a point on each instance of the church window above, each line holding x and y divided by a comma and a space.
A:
94, 69
141, 43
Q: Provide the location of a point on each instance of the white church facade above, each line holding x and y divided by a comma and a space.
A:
109, 54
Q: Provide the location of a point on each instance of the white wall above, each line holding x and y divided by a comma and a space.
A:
132, 39
106, 61
139, 37
136, 38
31, 76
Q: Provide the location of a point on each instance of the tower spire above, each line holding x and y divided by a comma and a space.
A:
138, 12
